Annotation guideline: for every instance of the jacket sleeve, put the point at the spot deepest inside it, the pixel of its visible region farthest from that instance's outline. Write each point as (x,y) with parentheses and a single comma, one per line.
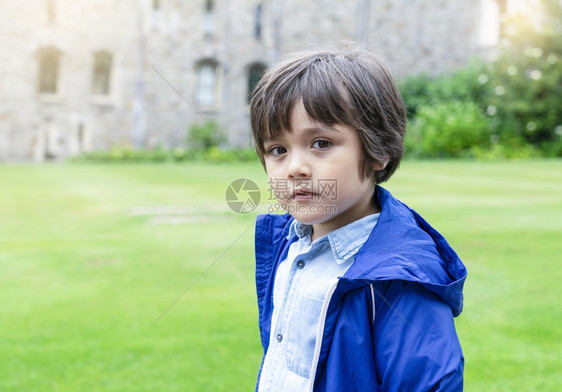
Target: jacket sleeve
(415,342)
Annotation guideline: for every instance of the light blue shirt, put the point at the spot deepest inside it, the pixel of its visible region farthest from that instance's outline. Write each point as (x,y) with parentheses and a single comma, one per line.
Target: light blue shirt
(301,284)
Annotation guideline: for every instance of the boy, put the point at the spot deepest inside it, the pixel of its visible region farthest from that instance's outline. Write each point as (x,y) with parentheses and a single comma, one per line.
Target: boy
(356,292)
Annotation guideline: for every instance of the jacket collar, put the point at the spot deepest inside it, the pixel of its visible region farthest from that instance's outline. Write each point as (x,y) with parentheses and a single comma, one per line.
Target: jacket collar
(403,246)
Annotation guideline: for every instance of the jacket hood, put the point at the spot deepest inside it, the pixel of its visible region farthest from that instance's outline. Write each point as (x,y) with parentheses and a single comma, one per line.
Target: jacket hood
(403,246)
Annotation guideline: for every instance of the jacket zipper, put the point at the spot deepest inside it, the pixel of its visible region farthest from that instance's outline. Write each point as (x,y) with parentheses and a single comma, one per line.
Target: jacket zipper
(320,333)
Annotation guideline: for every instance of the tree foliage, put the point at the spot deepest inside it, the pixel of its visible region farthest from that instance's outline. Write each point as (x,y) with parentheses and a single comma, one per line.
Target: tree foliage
(509,106)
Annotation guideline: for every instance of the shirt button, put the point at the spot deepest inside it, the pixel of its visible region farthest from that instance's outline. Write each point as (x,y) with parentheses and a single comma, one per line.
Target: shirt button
(300,264)
(279,337)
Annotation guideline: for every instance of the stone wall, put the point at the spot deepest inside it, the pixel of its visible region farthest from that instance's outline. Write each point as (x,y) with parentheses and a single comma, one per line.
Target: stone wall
(158,46)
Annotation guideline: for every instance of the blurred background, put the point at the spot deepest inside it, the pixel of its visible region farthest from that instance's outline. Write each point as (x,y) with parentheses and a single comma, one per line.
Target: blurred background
(83,76)
(123,124)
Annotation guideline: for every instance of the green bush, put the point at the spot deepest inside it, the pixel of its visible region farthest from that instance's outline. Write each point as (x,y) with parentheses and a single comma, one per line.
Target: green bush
(447,129)
(202,145)
(215,154)
(203,136)
(525,84)
(120,154)
(425,90)
(517,95)
(505,151)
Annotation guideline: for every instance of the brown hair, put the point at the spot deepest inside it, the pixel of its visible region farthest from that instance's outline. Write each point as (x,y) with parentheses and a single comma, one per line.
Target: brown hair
(351,87)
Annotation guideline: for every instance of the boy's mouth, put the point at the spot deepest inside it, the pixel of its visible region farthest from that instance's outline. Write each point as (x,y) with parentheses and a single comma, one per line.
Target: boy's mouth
(303,194)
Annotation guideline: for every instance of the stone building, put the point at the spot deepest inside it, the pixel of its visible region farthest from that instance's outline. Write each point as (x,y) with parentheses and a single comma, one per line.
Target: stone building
(85,75)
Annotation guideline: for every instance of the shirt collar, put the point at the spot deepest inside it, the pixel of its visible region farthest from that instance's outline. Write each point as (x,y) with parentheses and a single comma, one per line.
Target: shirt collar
(301,230)
(345,241)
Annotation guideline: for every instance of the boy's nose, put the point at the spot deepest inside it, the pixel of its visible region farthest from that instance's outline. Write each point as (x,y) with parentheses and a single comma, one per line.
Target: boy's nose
(299,166)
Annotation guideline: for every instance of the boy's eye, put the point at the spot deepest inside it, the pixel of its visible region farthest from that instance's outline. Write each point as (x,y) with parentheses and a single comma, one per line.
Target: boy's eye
(277,150)
(321,144)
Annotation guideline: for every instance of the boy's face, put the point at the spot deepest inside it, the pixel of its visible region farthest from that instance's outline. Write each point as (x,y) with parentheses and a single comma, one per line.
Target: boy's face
(315,173)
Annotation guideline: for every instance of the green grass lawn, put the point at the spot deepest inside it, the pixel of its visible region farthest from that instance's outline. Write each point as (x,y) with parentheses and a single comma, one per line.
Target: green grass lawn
(105,286)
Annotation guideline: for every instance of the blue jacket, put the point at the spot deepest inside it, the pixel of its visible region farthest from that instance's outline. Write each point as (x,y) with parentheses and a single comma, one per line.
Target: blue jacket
(387,324)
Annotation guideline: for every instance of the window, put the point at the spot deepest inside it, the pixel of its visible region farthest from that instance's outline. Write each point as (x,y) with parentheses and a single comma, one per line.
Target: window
(258,23)
(209,18)
(101,73)
(255,72)
(206,83)
(49,63)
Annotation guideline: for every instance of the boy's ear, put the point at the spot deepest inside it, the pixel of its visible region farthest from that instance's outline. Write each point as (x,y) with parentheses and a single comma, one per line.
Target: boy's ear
(380,165)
